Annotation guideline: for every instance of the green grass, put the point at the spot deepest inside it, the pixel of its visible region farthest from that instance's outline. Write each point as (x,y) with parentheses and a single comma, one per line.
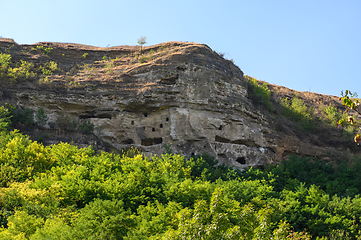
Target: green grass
(259,93)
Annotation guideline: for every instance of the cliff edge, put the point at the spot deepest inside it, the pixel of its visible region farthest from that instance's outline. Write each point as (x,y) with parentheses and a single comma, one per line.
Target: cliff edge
(179,93)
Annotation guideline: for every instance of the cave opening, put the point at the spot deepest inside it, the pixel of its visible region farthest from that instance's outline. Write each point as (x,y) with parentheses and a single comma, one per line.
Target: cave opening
(127,141)
(241,160)
(151,141)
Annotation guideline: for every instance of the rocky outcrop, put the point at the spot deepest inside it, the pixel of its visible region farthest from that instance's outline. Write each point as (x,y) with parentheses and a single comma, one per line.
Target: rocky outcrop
(185,94)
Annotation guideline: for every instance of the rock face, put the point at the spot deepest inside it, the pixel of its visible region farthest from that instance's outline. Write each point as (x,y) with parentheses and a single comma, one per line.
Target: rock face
(183,94)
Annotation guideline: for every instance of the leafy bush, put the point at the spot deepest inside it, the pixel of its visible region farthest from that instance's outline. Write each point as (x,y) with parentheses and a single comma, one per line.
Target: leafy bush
(21,226)
(22,71)
(23,116)
(295,110)
(42,49)
(341,180)
(259,94)
(348,132)
(332,116)
(15,72)
(49,68)
(143,59)
(41,117)
(349,123)
(223,218)
(104,219)
(4,64)
(86,127)
(206,168)
(66,122)
(109,66)
(21,158)
(61,191)
(130,152)
(6,113)
(54,228)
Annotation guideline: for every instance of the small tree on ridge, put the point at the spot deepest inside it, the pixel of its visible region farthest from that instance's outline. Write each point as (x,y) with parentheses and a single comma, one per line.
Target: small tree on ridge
(141,42)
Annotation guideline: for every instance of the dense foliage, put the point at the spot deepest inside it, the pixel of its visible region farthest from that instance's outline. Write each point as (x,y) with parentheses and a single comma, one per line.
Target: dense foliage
(63,192)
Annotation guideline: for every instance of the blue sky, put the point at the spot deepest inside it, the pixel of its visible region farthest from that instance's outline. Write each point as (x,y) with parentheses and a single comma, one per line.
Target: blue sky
(308,45)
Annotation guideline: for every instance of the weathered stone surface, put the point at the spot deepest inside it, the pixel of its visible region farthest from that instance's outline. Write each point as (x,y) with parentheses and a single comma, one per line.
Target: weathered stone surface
(191,98)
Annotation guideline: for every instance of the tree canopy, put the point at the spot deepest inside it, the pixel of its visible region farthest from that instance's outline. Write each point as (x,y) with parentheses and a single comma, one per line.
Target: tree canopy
(65,192)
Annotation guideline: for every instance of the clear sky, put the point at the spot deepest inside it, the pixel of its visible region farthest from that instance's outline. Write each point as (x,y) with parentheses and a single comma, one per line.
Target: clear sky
(308,45)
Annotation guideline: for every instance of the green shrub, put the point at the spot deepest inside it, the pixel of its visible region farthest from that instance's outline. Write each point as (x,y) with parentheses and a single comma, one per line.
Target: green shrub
(109,66)
(295,110)
(66,122)
(21,226)
(41,117)
(86,127)
(259,94)
(49,68)
(45,50)
(54,228)
(4,64)
(21,158)
(332,116)
(130,152)
(89,71)
(206,167)
(6,113)
(104,219)
(24,116)
(4,61)
(341,180)
(222,218)
(348,132)
(14,73)
(21,72)
(44,80)
(143,59)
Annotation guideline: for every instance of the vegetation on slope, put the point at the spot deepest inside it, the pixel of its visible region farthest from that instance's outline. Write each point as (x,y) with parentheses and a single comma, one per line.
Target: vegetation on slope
(63,192)
(259,94)
(49,67)
(303,117)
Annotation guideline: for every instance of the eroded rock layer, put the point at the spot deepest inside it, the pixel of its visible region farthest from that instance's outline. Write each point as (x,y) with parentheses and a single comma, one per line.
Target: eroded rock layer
(182,94)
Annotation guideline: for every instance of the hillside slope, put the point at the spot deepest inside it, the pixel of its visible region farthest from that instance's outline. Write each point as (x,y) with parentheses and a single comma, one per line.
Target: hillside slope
(177,93)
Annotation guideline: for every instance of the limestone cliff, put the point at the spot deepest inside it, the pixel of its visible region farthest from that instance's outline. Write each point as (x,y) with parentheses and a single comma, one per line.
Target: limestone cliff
(176,93)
